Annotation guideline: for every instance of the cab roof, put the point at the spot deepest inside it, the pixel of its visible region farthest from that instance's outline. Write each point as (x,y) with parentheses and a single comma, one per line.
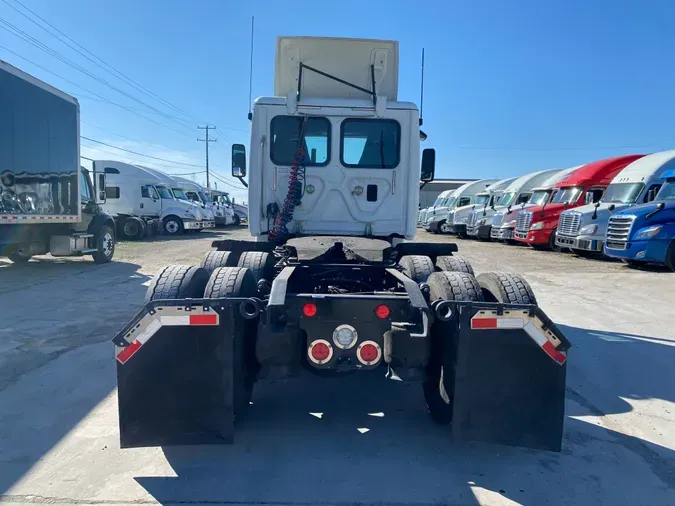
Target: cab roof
(646,168)
(529,181)
(600,172)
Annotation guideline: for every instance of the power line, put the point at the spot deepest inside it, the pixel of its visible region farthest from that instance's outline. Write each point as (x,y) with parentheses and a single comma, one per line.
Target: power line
(110,69)
(128,109)
(156,166)
(26,37)
(137,153)
(156,146)
(224,181)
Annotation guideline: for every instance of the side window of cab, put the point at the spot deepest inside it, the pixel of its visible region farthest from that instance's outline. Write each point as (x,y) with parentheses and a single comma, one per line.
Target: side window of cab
(84,187)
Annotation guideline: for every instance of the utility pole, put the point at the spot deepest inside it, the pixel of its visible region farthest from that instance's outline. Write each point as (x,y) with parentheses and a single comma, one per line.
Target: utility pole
(206,141)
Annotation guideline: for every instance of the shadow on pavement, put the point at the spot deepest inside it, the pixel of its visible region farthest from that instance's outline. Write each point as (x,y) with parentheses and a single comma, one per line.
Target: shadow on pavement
(59,332)
(285,454)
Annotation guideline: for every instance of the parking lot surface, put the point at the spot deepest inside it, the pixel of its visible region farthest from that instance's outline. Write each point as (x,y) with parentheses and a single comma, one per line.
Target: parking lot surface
(301,444)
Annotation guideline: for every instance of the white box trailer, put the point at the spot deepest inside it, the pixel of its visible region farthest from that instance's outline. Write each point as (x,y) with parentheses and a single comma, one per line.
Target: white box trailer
(48,202)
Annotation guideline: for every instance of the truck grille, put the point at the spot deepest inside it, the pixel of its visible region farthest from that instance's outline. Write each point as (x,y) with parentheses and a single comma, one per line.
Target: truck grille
(497,220)
(471,220)
(618,231)
(569,224)
(523,221)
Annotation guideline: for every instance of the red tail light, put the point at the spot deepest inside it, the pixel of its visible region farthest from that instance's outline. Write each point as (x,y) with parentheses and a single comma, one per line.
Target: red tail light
(369,352)
(382,311)
(309,309)
(320,351)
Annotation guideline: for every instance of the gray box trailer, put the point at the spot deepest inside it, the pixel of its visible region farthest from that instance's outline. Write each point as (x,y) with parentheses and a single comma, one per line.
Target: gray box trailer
(48,202)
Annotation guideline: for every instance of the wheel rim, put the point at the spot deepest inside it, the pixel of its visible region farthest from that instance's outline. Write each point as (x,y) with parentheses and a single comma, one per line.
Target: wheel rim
(108,245)
(171,227)
(130,229)
(444,228)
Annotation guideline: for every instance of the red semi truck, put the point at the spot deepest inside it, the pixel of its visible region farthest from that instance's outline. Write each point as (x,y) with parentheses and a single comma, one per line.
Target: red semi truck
(537,226)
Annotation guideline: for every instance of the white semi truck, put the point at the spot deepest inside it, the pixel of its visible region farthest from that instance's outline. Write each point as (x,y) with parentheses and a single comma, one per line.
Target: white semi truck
(48,202)
(137,195)
(583,229)
(487,198)
(329,281)
(437,220)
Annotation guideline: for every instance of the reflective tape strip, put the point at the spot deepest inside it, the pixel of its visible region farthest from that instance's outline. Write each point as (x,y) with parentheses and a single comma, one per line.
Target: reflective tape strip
(32,217)
(497,323)
(151,323)
(547,341)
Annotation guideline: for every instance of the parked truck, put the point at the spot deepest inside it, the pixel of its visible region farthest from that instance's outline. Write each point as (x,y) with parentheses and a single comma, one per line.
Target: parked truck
(538,226)
(487,198)
(49,203)
(479,223)
(222,199)
(329,282)
(504,221)
(645,233)
(187,190)
(437,220)
(428,213)
(583,229)
(139,197)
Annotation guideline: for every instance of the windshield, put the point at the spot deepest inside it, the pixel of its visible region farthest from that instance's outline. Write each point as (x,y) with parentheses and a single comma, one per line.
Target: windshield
(481,200)
(438,202)
(667,191)
(507,199)
(540,197)
(449,202)
(203,196)
(165,193)
(623,193)
(180,194)
(569,195)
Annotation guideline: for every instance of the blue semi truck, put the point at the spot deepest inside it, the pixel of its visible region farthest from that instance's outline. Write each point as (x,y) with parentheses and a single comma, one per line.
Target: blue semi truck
(646,233)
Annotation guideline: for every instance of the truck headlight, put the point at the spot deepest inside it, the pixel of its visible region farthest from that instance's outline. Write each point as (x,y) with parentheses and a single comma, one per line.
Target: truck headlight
(462,220)
(537,226)
(481,221)
(588,230)
(648,232)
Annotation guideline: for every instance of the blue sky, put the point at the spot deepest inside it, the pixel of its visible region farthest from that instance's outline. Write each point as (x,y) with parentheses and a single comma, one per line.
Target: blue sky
(510,86)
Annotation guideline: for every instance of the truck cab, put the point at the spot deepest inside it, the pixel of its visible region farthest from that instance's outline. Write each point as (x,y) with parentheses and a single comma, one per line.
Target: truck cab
(638,183)
(479,223)
(488,198)
(645,233)
(504,222)
(135,192)
(585,185)
(440,201)
(357,170)
(465,195)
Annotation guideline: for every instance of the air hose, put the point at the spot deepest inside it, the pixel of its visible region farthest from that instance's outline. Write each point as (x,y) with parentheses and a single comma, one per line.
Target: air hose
(296,181)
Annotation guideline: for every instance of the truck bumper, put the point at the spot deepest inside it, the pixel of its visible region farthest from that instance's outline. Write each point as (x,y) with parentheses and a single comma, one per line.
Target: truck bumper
(533,236)
(458,228)
(653,251)
(501,233)
(221,220)
(585,243)
(481,231)
(432,226)
(198,225)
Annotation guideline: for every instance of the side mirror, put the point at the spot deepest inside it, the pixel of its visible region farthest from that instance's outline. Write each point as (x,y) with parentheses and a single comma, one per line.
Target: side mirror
(428,165)
(651,194)
(589,198)
(102,196)
(238,160)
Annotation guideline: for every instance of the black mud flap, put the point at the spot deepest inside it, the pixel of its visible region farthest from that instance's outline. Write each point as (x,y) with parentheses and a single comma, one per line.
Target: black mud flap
(174,373)
(511,364)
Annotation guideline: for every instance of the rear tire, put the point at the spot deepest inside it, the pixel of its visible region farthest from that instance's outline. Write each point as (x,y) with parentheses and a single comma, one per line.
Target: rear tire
(505,288)
(261,264)
(214,259)
(454,263)
(132,228)
(440,384)
(178,282)
(238,282)
(417,267)
(237,220)
(443,227)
